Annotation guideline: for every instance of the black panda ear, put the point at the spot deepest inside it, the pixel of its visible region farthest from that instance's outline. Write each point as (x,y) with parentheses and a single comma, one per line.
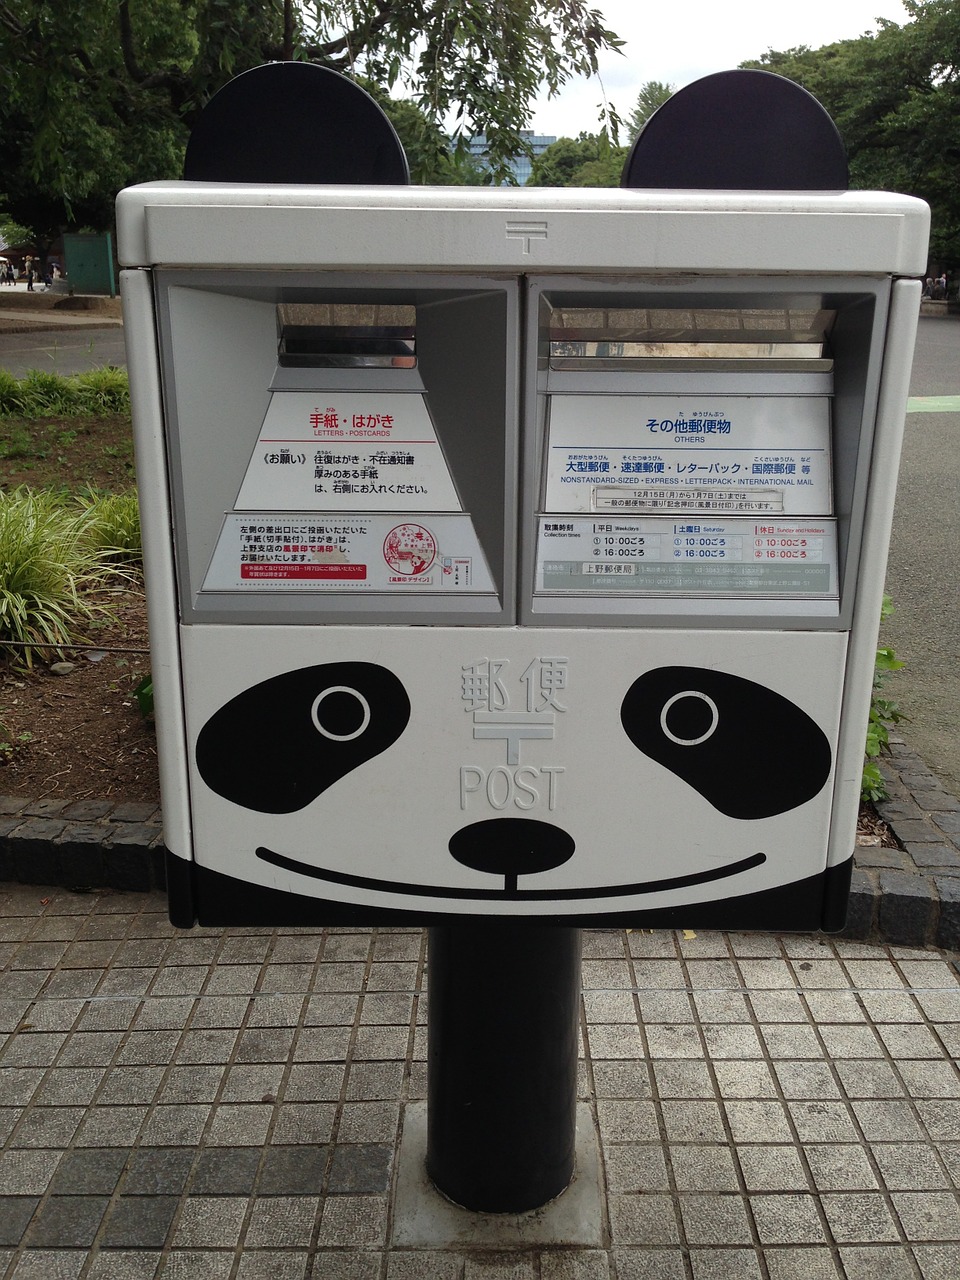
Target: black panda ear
(739,131)
(294,122)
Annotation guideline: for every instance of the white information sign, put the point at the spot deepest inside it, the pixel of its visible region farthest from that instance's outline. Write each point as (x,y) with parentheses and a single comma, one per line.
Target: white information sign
(651,555)
(347,451)
(327,552)
(746,455)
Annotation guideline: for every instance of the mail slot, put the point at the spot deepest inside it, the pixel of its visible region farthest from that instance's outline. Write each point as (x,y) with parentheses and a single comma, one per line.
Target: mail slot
(515,553)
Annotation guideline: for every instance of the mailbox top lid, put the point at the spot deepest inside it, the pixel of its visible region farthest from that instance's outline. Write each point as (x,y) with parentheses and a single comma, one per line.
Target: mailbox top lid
(526,229)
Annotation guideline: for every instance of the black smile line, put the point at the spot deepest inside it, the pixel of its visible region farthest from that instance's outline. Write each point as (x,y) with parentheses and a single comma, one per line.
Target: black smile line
(515,895)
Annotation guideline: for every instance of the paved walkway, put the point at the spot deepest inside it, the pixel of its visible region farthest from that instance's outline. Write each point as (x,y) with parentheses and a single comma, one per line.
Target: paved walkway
(230,1103)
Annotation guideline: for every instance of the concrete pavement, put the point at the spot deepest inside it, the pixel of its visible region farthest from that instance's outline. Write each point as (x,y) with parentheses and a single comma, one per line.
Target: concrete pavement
(234,1103)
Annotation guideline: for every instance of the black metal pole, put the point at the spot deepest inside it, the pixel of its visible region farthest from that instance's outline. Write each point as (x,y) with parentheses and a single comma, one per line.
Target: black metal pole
(503,1022)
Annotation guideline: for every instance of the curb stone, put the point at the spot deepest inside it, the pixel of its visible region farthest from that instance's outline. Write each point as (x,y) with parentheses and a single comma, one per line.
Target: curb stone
(907,897)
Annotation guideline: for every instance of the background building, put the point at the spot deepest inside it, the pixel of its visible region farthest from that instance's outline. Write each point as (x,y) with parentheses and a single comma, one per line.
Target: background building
(521,166)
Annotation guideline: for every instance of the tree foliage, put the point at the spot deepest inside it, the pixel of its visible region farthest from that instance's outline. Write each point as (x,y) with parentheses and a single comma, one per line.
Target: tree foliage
(587,161)
(95,96)
(895,97)
(651,97)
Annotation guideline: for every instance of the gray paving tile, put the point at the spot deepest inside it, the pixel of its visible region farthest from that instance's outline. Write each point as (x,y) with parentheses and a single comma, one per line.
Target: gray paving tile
(701,1168)
(771,1168)
(124,1264)
(693,1122)
(89,1172)
(67,1222)
(158,1171)
(49,1264)
(209,1222)
(888,1121)
(792,1041)
(370,1081)
(877,1262)
(841,1167)
(198,1264)
(823,1121)
(634,1167)
(682,1078)
(649,1264)
(48,1127)
(338,1265)
(758,1121)
(648,1220)
(323,1081)
(859,1218)
(361,1169)
(15,1215)
(304,1123)
(809,1262)
(273,1265)
(787,1219)
(623,1120)
(607,1041)
(715,1219)
(938,1261)
(928,1215)
(139,1222)
(290,1222)
(176,1125)
(289,1171)
(724,1264)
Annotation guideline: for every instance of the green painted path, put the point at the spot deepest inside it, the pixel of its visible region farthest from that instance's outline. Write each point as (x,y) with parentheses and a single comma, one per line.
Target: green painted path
(933,404)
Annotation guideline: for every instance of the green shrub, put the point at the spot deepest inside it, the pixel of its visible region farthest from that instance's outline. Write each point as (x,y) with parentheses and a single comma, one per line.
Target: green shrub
(41,394)
(11,395)
(113,525)
(48,566)
(883,713)
(105,390)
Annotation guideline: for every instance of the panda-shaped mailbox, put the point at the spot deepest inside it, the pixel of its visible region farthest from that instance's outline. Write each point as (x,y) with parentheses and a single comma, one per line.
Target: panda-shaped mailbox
(516,553)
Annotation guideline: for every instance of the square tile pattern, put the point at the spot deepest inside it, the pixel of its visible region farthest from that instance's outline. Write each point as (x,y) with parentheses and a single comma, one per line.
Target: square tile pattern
(232,1103)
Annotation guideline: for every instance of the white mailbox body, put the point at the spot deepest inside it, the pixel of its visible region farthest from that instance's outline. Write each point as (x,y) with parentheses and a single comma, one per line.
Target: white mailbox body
(515,552)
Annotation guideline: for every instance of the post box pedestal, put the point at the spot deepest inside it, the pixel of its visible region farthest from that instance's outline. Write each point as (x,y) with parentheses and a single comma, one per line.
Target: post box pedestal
(502,1062)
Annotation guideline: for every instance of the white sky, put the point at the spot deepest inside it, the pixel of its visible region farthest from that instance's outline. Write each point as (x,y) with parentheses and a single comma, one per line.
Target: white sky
(678,41)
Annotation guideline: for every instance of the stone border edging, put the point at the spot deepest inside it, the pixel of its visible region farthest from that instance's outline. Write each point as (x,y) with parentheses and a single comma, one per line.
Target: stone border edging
(908,896)
(83,844)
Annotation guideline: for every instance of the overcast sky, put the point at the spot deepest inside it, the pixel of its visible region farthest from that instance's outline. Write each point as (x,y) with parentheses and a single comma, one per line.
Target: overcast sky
(681,40)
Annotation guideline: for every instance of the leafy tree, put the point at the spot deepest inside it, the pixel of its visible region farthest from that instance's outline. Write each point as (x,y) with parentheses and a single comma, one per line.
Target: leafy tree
(651,97)
(587,161)
(895,98)
(94,96)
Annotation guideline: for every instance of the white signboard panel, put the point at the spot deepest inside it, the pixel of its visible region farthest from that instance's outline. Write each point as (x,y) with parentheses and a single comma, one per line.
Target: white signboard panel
(347,451)
(702,556)
(730,455)
(511,772)
(262,551)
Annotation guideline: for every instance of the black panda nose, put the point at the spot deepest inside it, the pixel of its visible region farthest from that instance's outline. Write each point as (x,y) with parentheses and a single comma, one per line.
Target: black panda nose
(511,847)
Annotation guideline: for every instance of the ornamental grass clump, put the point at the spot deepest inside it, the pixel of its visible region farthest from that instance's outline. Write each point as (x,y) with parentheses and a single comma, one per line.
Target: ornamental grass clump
(49,568)
(43,394)
(113,525)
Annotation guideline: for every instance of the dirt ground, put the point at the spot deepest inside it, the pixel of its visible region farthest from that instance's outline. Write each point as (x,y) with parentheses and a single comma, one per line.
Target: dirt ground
(80,734)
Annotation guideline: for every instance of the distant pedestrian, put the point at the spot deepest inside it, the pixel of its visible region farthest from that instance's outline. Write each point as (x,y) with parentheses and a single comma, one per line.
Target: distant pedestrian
(30,274)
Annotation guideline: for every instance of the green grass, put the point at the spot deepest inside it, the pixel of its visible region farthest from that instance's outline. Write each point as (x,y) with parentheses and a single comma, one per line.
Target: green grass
(40,394)
(113,524)
(49,565)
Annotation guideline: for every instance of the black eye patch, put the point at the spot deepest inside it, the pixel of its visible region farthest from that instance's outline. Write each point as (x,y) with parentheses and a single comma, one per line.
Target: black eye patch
(749,751)
(278,745)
